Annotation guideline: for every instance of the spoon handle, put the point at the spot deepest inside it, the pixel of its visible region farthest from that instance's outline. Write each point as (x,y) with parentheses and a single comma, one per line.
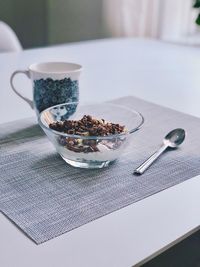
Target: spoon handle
(145,165)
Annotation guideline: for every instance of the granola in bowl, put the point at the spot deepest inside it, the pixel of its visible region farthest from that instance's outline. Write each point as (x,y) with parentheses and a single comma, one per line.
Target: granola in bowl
(87,126)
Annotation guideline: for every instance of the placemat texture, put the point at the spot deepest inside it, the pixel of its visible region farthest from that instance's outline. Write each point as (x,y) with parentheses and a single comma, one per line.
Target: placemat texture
(45,197)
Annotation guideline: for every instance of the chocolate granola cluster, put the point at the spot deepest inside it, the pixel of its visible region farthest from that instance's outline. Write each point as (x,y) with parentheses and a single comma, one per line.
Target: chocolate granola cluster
(87,126)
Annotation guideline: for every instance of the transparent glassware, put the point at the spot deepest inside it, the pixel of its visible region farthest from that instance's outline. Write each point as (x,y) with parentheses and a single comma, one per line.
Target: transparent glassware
(91,151)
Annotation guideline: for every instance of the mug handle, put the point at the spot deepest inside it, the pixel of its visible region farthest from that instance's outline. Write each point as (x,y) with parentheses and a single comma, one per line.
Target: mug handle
(26,72)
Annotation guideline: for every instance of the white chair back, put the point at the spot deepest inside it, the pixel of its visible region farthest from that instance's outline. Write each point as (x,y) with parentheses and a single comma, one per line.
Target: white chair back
(8,39)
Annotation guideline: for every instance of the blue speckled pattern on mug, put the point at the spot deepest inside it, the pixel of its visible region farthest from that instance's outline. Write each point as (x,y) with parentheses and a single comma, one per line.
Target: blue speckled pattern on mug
(49,92)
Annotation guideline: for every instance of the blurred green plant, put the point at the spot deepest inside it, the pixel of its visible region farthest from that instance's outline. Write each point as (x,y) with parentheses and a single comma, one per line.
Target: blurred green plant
(197,5)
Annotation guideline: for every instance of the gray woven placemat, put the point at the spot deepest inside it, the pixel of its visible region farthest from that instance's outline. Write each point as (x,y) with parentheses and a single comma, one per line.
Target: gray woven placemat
(45,197)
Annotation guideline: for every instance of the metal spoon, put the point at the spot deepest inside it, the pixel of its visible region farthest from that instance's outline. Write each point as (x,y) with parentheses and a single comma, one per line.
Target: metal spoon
(173,139)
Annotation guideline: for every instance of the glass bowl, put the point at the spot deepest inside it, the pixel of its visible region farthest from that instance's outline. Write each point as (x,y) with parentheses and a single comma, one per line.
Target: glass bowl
(90,151)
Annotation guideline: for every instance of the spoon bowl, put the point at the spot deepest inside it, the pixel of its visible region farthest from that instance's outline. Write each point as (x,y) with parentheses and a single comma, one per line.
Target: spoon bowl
(175,138)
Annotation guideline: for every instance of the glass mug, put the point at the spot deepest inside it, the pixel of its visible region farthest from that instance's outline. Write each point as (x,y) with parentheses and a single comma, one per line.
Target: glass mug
(53,83)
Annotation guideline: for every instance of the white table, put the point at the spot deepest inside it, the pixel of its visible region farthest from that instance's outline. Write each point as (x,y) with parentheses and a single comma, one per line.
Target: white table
(163,73)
